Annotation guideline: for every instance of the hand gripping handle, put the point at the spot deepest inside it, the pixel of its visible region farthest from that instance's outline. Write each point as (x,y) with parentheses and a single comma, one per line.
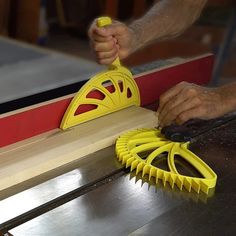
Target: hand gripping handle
(104,21)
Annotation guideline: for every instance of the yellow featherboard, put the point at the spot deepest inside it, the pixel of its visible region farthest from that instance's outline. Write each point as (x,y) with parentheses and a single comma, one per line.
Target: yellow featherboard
(125,92)
(130,145)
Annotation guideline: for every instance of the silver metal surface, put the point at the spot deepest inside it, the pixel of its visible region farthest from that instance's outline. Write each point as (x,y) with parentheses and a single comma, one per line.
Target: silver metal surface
(38,75)
(13,52)
(85,170)
(116,209)
(126,206)
(218,217)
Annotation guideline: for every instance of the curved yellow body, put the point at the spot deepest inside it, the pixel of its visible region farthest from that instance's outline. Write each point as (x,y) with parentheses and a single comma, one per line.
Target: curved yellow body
(124,92)
(130,145)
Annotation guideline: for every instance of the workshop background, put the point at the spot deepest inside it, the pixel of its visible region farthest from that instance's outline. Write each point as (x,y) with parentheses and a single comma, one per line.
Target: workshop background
(62,25)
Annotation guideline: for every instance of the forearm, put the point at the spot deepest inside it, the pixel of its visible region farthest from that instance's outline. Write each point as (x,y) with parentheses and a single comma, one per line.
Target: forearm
(166,19)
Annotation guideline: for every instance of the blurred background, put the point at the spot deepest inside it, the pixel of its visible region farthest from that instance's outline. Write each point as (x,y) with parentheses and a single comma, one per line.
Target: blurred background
(62,25)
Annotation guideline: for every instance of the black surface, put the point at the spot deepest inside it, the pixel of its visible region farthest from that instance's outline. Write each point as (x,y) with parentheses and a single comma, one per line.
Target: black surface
(193,128)
(176,133)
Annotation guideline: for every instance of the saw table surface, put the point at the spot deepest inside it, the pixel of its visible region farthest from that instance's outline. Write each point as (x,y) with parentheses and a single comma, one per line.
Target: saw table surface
(101,198)
(95,195)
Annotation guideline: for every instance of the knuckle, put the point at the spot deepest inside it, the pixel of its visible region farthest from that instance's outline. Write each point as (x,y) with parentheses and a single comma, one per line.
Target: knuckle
(183,84)
(191,92)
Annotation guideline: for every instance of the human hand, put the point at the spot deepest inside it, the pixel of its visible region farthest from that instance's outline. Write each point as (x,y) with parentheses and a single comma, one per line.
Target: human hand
(186,101)
(111,41)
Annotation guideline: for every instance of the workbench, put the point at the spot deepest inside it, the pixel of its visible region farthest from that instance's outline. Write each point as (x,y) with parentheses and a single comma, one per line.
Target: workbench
(96,195)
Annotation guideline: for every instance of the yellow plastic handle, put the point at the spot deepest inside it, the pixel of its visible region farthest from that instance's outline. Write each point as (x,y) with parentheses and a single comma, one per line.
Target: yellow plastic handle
(104,21)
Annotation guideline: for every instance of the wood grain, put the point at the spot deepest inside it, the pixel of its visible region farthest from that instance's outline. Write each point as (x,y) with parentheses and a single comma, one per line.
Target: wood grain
(41,154)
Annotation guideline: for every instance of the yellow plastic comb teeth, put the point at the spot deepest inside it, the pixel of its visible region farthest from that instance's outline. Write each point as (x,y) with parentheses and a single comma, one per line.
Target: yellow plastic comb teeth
(144,140)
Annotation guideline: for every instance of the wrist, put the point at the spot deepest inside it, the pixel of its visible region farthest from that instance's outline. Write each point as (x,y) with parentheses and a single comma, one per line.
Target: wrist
(137,41)
(228,98)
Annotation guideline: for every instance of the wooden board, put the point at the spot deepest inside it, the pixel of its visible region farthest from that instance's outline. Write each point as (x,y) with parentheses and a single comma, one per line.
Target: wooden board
(27,159)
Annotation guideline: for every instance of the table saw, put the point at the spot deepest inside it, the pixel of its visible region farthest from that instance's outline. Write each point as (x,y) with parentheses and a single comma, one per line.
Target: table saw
(96,194)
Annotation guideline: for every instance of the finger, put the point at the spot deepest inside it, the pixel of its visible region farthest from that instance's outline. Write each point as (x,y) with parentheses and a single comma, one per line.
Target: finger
(171,104)
(98,34)
(116,28)
(101,31)
(106,55)
(172,115)
(187,92)
(195,112)
(101,39)
(165,97)
(104,46)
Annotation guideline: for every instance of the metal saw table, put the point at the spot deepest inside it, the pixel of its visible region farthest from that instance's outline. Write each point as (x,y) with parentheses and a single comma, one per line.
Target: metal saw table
(97,196)
(101,198)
